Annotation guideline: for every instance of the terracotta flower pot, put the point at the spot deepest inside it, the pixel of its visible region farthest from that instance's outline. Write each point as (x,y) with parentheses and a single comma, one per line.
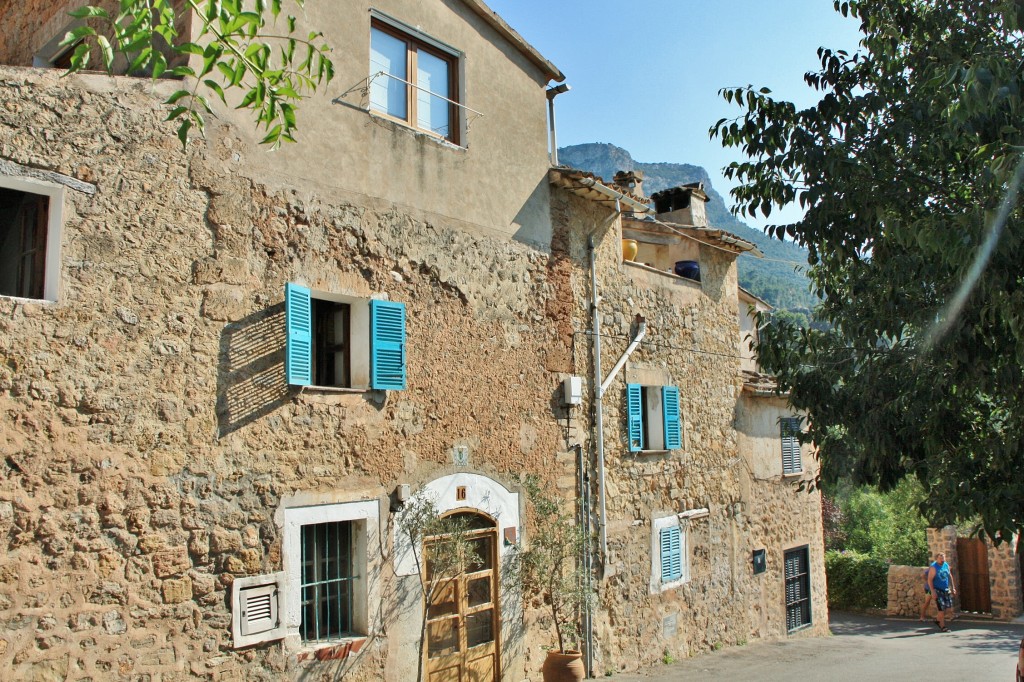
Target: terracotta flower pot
(563,666)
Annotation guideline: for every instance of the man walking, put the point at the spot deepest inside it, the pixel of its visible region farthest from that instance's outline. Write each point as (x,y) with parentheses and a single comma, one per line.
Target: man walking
(940,582)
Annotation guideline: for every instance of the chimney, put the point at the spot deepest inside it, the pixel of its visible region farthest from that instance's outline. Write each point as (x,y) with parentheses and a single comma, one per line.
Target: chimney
(682,205)
(630,182)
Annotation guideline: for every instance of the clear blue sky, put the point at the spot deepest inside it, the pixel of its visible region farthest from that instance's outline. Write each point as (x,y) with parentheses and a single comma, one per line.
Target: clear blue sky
(645,74)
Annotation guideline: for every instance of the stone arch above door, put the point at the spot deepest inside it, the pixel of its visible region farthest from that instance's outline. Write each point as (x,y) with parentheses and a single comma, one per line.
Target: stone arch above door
(465,491)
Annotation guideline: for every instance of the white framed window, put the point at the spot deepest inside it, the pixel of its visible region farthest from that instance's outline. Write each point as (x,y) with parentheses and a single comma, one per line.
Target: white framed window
(326,566)
(670,559)
(338,341)
(31,213)
(414,79)
(789,435)
(652,418)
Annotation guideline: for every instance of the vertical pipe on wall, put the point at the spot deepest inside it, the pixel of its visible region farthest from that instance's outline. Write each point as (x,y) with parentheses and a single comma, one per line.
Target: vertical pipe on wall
(598,410)
(584,494)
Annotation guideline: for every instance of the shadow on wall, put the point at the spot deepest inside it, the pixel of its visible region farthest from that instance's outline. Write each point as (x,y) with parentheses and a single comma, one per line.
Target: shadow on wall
(250,372)
(534,218)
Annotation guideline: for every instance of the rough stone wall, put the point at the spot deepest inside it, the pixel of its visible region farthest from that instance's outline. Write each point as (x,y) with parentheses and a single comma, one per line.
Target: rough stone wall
(906,592)
(691,342)
(1005,578)
(1004,570)
(27,25)
(148,435)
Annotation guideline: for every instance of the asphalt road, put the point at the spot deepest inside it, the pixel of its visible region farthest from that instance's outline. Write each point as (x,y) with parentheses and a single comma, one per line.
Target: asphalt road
(862,649)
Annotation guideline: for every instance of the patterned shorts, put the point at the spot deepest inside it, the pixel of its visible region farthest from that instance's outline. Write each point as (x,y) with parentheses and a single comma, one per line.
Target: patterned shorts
(943,600)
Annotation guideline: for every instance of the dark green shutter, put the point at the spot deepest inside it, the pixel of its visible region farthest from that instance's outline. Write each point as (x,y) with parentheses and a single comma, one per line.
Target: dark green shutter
(789,428)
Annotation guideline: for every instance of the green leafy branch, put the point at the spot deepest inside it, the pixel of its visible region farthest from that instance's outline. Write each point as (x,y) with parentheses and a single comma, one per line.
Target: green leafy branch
(233,50)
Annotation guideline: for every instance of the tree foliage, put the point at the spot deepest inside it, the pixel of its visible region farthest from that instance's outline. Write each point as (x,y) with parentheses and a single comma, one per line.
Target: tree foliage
(234,49)
(908,168)
(885,525)
(856,581)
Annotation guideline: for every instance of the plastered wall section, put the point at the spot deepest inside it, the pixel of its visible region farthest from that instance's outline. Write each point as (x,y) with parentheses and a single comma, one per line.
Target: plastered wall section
(691,342)
(783,511)
(147,435)
(493,182)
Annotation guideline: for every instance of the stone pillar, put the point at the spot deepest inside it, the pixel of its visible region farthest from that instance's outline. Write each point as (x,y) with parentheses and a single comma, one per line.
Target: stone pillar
(1005,580)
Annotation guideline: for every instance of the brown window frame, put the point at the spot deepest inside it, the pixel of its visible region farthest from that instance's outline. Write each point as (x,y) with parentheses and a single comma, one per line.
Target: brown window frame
(30,223)
(328,350)
(413,46)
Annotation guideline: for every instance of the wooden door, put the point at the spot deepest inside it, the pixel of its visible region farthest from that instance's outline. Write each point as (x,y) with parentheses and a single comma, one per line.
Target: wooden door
(461,643)
(972,565)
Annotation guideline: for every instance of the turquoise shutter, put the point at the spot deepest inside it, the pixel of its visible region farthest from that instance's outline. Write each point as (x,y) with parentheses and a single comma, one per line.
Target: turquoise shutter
(635,417)
(670,409)
(671,554)
(298,316)
(387,345)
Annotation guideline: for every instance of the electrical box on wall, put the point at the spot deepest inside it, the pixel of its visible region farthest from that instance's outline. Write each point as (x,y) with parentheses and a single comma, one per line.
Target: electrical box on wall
(573,390)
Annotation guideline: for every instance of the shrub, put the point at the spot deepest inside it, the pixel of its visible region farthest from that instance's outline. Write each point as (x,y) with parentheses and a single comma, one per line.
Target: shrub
(856,580)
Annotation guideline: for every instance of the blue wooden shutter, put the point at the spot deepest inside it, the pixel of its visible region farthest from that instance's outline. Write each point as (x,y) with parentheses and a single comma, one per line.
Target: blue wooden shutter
(298,316)
(635,417)
(670,409)
(671,554)
(387,345)
(789,427)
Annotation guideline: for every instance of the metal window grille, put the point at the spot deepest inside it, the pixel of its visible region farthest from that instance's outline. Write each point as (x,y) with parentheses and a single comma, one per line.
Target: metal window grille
(798,589)
(328,581)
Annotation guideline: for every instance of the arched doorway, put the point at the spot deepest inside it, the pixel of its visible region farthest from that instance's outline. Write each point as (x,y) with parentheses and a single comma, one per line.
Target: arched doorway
(461,575)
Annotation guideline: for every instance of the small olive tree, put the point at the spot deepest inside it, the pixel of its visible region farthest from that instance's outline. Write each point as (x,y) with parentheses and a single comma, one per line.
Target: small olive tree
(552,564)
(442,550)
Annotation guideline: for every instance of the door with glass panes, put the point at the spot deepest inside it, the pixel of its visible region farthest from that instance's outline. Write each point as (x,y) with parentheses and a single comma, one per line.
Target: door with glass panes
(461,643)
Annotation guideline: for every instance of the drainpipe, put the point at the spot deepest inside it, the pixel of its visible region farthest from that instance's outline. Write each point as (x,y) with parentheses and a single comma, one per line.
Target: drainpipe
(552,93)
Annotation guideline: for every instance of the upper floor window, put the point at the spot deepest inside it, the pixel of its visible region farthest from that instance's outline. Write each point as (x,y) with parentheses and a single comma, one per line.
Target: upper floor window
(414,80)
(337,341)
(789,428)
(29,239)
(653,418)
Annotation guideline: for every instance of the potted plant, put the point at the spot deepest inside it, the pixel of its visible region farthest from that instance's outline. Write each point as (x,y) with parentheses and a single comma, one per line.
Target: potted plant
(553,572)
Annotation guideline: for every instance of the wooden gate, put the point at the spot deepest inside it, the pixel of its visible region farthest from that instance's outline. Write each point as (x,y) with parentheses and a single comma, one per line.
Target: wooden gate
(972,562)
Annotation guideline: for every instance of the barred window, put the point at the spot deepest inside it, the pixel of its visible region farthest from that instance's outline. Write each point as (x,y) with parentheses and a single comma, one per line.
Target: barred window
(328,581)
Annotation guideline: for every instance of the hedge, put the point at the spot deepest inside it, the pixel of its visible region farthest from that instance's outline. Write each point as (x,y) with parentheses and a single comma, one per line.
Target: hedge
(856,581)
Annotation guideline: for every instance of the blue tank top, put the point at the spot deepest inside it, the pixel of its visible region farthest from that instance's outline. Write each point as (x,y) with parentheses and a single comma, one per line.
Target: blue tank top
(941,579)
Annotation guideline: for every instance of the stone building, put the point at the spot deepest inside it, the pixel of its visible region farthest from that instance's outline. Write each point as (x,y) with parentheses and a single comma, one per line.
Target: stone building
(704,535)
(221,369)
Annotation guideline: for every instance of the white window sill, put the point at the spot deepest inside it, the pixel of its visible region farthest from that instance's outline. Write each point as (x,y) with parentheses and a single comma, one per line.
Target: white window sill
(665,587)
(23,300)
(332,389)
(795,474)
